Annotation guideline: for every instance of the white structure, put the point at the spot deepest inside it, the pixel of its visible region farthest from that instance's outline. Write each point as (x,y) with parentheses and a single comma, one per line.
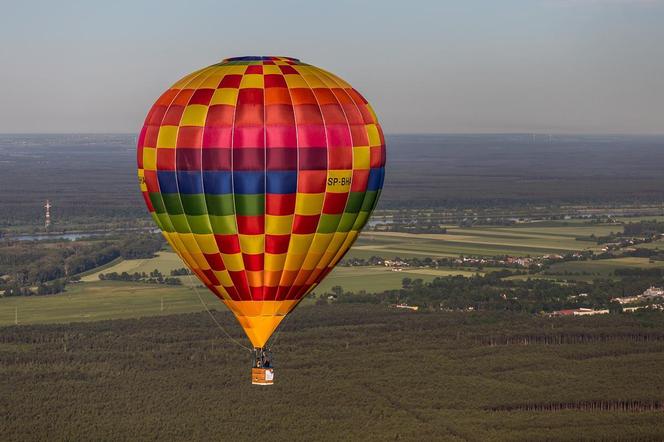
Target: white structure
(590,312)
(579,312)
(649,294)
(653,292)
(47,222)
(408,307)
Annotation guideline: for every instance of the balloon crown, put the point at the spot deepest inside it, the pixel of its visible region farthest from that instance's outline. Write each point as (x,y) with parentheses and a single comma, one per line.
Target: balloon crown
(259,58)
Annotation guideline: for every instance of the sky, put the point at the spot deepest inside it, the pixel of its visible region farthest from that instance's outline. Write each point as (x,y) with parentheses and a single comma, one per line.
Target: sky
(434,66)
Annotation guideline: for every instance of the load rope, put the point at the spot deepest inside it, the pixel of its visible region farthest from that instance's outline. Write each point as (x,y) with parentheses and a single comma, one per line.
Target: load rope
(207,309)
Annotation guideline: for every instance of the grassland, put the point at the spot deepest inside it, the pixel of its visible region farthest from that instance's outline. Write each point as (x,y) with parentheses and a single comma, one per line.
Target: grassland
(654,245)
(519,240)
(587,271)
(636,219)
(164,262)
(342,373)
(376,279)
(603,267)
(102,300)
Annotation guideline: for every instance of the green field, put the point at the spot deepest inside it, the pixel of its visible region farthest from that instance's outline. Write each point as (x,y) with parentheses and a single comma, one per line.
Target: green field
(102,300)
(603,267)
(378,279)
(587,271)
(164,262)
(518,240)
(636,219)
(656,245)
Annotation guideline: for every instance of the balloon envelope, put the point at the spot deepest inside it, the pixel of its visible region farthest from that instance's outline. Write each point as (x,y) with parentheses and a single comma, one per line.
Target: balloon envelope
(260,172)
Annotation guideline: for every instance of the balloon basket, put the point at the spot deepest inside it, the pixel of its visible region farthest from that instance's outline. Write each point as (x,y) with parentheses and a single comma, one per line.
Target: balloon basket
(262,376)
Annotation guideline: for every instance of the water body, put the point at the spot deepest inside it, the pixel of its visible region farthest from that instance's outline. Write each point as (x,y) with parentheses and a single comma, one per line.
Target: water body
(67,236)
(74,236)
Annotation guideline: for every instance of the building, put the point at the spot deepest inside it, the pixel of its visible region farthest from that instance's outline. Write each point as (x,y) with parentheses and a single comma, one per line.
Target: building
(643,307)
(395,263)
(626,299)
(653,292)
(407,307)
(579,312)
(648,295)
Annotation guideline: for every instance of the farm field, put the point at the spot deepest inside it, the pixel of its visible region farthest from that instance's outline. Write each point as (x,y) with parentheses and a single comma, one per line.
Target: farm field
(653,245)
(603,267)
(164,262)
(102,300)
(636,219)
(378,279)
(353,372)
(587,271)
(481,241)
(559,278)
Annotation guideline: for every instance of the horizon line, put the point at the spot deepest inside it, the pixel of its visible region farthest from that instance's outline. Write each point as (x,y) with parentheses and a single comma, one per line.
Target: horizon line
(488,133)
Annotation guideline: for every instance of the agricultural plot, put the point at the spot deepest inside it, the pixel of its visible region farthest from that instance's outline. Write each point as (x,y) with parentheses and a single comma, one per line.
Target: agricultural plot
(102,300)
(558,278)
(603,267)
(545,236)
(480,241)
(655,245)
(164,262)
(587,271)
(378,279)
(636,219)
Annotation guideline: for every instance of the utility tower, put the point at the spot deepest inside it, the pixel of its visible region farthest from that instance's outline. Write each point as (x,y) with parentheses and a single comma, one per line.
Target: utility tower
(47,222)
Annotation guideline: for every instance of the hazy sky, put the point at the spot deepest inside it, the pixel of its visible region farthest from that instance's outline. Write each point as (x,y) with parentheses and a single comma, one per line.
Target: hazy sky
(426,66)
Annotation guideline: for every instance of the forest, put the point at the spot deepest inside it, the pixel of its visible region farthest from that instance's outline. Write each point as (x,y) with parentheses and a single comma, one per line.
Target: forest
(520,172)
(154,277)
(493,292)
(49,265)
(342,372)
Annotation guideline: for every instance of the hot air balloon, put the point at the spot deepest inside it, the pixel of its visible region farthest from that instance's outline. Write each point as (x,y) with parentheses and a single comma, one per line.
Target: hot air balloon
(261,172)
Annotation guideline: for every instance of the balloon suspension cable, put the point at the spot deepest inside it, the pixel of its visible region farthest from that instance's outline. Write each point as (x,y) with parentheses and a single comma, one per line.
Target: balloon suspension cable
(207,309)
(273,341)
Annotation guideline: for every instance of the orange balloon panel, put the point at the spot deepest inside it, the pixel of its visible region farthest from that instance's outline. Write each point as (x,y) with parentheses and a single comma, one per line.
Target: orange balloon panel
(261,171)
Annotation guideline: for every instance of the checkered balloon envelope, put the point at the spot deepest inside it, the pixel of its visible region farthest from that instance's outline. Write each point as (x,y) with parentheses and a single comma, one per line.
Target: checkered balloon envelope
(261,172)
